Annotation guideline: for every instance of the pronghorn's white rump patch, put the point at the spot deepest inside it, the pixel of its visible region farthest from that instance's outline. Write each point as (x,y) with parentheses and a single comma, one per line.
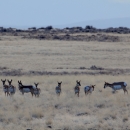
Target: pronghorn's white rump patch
(125,84)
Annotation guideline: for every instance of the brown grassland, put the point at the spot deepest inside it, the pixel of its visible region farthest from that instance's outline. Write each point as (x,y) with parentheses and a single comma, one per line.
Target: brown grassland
(100,110)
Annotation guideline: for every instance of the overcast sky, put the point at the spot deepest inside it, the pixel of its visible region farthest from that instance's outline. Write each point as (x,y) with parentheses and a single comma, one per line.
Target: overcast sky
(28,13)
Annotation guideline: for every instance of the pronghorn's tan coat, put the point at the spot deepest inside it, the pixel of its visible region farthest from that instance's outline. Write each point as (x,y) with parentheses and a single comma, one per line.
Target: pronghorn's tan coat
(37,90)
(26,88)
(89,89)
(117,86)
(58,88)
(5,87)
(12,88)
(77,88)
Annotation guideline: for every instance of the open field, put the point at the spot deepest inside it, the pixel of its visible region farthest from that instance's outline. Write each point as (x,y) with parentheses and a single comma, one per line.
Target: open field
(25,57)
(47,62)
(102,109)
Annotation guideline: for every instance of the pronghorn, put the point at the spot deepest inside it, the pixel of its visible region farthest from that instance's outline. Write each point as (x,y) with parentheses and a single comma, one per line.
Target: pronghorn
(58,88)
(5,87)
(25,88)
(12,88)
(77,88)
(89,89)
(117,86)
(37,90)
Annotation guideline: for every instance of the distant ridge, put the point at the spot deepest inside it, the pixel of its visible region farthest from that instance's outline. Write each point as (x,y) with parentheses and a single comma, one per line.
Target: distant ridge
(101,24)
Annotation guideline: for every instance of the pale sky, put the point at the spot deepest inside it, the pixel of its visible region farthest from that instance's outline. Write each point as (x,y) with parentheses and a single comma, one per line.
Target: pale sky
(40,13)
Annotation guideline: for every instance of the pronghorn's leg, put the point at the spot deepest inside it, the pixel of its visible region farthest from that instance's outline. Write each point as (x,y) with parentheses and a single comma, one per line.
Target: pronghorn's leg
(22,92)
(7,93)
(32,94)
(125,90)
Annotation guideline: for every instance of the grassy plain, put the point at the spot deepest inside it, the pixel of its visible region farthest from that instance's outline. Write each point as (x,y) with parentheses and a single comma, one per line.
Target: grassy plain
(100,110)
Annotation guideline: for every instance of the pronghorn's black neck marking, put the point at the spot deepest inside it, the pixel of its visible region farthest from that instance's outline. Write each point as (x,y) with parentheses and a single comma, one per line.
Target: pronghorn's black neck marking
(108,85)
(21,86)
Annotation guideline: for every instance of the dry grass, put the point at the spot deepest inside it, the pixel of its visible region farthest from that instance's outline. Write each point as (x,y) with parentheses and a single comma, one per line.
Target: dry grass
(101,110)
(28,55)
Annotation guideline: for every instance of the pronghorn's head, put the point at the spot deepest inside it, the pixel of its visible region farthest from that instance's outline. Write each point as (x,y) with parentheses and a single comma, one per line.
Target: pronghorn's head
(36,84)
(9,81)
(106,84)
(93,86)
(19,83)
(59,83)
(3,81)
(78,83)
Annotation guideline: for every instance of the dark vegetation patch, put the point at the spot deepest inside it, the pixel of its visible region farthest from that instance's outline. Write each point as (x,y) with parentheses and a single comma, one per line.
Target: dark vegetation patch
(67,37)
(82,114)
(93,70)
(93,67)
(50,33)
